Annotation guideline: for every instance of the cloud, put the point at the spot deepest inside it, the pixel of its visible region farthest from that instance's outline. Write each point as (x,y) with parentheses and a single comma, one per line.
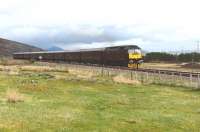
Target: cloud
(154,25)
(65,35)
(89,36)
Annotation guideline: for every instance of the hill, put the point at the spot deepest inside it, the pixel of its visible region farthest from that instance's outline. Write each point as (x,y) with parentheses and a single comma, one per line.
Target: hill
(8,47)
(55,48)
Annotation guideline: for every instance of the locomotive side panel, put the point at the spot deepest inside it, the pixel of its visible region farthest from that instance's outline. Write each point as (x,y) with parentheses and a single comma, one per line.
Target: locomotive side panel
(116,57)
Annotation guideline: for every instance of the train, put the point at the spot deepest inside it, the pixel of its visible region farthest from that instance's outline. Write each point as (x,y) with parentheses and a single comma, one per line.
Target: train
(123,56)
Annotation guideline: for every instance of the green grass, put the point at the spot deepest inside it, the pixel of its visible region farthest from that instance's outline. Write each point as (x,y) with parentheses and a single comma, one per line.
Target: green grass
(82,105)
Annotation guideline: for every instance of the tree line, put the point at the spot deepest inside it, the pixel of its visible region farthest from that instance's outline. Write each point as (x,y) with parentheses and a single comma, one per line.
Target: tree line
(167,57)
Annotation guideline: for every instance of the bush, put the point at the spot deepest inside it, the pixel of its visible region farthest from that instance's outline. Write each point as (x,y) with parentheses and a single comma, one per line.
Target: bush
(189,57)
(167,57)
(159,56)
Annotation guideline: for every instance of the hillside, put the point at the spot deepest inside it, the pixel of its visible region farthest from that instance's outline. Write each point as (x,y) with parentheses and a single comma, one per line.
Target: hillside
(55,48)
(7,47)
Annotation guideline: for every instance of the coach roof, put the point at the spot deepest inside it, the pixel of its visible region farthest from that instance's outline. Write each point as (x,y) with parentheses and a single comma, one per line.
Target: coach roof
(82,50)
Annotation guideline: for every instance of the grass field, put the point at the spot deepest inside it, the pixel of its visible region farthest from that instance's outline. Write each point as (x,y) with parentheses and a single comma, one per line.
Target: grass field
(51,100)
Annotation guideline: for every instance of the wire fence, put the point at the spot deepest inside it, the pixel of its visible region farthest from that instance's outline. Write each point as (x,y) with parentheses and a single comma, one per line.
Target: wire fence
(143,77)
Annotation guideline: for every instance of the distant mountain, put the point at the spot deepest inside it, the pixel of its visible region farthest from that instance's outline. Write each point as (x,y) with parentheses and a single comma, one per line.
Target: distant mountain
(55,48)
(8,47)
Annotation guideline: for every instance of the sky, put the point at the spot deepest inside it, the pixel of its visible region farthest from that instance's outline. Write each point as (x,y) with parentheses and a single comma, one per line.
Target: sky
(154,25)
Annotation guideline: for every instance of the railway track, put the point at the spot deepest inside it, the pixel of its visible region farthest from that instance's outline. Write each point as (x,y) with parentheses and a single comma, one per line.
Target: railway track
(168,72)
(157,71)
(172,72)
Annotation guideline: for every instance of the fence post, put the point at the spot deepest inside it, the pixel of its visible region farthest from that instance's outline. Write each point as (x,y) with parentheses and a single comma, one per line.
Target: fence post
(102,71)
(159,76)
(181,77)
(131,75)
(172,79)
(147,77)
(154,74)
(136,78)
(142,77)
(198,81)
(190,79)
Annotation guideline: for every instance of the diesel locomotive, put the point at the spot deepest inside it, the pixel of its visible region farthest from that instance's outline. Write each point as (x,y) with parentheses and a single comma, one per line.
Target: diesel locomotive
(126,56)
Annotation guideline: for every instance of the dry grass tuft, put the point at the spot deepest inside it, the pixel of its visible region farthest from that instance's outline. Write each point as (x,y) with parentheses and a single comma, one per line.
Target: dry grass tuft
(83,74)
(36,87)
(13,71)
(13,96)
(7,61)
(60,77)
(131,121)
(44,69)
(122,79)
(10,70)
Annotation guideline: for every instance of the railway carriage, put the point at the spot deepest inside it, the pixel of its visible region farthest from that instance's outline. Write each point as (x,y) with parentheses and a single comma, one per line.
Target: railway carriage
(94,56)
(129,55)
(74,57)
(59,56)
(46,56)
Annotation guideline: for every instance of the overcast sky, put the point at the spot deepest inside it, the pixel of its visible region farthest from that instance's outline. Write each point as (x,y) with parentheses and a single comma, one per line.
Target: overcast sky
(152,24)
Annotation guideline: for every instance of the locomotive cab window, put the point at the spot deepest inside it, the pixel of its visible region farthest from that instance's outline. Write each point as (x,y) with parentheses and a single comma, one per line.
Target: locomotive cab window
(138,51)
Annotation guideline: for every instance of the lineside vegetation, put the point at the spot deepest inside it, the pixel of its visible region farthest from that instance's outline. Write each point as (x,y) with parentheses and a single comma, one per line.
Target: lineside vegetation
(167,57)
(69,100)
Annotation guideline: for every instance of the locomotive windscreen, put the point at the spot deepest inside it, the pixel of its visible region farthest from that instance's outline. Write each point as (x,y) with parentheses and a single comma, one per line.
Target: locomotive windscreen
(137,51)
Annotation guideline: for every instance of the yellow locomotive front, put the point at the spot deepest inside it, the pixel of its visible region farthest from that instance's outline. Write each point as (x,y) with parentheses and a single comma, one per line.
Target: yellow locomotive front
(135,58)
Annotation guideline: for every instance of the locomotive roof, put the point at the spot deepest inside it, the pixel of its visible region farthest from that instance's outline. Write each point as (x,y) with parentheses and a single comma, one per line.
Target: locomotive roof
(83,50)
